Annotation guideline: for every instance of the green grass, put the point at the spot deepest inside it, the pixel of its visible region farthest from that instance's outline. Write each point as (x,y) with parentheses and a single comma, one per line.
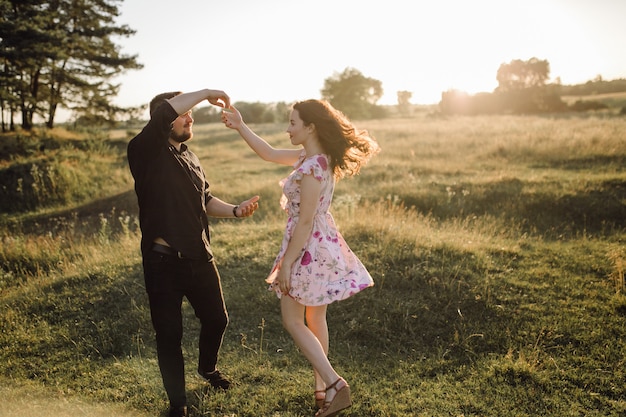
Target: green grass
(496,245)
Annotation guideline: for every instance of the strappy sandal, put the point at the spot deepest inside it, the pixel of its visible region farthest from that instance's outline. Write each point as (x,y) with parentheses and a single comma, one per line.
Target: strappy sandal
(320,396)
(340,401)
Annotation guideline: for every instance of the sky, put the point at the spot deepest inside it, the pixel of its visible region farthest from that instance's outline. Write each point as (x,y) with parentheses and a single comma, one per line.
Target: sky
(283,50)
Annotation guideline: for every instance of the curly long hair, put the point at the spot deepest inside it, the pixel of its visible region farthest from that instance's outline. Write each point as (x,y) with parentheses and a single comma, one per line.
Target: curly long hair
(349,148)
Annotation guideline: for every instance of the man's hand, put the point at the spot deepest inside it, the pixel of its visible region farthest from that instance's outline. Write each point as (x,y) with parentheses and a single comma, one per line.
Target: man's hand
(219,98)
(248,207)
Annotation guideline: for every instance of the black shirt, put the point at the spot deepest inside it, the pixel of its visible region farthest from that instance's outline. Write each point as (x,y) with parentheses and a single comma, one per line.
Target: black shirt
(171,188)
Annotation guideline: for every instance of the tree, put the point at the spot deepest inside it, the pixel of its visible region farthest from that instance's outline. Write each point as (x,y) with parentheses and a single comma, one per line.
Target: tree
(518,74)
(353,93)
(404,102)
(522,87)
(23,46)
(61,53)
(255,112)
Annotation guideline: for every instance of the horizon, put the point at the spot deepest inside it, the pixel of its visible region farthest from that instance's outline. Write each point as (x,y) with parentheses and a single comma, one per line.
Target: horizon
(278,51)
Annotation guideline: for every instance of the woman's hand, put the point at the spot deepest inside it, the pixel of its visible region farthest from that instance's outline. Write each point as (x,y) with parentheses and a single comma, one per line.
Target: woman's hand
(232,118)
(284,278)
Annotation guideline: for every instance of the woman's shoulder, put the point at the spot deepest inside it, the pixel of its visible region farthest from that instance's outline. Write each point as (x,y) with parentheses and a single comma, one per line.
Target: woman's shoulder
(319,158)
(322,160)
(316,165)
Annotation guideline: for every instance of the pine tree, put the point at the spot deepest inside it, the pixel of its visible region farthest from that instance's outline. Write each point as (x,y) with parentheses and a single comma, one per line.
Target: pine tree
(61,53)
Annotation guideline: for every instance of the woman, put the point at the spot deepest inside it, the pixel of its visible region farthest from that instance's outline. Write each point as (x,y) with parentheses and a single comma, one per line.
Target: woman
(315,266)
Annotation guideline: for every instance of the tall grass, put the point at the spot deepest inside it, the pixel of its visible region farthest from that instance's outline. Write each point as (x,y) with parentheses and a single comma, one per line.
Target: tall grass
(496,245)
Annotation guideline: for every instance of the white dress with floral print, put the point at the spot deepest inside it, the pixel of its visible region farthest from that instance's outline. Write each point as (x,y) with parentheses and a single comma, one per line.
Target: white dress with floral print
(328,270)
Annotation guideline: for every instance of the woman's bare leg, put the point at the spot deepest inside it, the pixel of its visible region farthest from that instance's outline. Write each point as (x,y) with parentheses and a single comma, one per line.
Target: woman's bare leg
(316,322)
(310,345)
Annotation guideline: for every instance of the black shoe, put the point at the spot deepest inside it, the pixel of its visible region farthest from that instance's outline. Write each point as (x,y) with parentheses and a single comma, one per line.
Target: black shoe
(216,379)
(178,411)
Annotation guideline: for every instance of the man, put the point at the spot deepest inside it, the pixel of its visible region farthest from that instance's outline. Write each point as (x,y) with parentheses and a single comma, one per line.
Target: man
(174,205)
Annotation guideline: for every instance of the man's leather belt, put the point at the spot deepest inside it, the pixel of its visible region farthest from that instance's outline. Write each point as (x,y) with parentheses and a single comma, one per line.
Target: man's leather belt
(166,250)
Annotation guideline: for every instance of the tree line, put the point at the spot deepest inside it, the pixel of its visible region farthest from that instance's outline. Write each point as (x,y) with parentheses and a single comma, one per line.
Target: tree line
(351,91)
(523,89)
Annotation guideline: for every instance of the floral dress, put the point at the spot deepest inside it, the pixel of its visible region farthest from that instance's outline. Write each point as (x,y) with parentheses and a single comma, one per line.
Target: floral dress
(327,270)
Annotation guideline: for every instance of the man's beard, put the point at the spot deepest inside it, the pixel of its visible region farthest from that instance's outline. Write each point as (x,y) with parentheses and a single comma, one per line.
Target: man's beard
(180,138)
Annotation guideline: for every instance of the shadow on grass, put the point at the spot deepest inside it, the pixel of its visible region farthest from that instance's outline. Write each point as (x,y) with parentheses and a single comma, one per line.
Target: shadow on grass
(82,220)
(96,316)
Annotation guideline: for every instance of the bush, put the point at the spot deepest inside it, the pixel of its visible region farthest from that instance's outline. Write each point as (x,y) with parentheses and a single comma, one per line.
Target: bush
(32,185)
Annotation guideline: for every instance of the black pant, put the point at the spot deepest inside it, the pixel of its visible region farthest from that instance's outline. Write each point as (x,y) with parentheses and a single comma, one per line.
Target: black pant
(168,280)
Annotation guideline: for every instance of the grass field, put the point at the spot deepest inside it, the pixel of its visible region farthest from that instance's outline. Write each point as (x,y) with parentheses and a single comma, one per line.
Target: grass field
(496,244)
